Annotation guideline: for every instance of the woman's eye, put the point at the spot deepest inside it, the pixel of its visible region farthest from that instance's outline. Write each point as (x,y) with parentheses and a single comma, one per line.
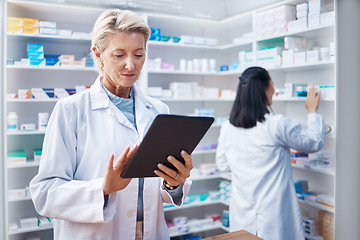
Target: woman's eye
(138,55)
(119,55)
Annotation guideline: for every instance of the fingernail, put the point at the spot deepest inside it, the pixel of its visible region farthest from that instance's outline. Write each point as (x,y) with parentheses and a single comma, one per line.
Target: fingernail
(183,152)
(170,158)
(156,171)
(160,165)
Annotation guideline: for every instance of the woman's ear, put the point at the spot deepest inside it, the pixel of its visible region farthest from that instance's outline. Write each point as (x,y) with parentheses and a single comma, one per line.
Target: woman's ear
(96,52)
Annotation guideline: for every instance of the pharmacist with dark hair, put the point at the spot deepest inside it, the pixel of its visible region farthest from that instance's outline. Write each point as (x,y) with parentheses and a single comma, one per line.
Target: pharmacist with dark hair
(255,146)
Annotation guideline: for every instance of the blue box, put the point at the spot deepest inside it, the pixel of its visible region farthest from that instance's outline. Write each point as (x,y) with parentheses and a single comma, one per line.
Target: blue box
(35,47)
(35,55)
(37,62)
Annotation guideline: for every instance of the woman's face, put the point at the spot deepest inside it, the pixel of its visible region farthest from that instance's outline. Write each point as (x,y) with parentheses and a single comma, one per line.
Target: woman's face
(122,60)
(269,91)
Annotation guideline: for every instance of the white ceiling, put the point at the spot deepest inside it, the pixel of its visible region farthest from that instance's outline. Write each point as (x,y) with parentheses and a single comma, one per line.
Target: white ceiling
(209,9)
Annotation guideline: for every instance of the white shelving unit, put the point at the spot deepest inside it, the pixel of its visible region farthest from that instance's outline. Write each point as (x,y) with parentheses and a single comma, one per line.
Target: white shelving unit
(82,18)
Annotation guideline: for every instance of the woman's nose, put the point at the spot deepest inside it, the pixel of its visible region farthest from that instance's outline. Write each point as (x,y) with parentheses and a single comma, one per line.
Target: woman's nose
(130,65)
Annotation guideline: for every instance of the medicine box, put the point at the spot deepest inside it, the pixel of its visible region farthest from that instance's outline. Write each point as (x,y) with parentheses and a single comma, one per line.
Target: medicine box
(295,43)
(31,222)
(313,56)
(37,62)
(35,55)
(31,25)
(48,31)
(35,47)
(300,57)
(14,25)
(47,24)
(16,156)
(37,155)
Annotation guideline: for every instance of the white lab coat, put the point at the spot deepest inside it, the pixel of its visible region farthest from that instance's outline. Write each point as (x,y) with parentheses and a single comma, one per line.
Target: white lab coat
(83,131)
(263,198)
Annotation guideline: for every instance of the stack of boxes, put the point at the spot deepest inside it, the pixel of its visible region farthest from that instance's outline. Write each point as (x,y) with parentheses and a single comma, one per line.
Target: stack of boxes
(274,21)
(311,226)
(316,7)
(15,25)
(269,57)
(35,53)
(48,28)
(301,22)
(31,25)
(326,224)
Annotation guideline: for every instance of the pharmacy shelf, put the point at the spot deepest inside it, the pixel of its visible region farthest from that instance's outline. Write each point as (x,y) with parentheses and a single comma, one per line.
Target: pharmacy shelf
(196,99)
(328,171)
(19,199)
(217,47)
(32,100)
(207,177)
(311,32)
(19,133)
(200,152)
(203,229)
(182,45)
(34,229)
(51,68)
(192,205)
(309,237)
(46,36)
(178,72)
(305,66)
(299,99)
(28,164)
(317,205)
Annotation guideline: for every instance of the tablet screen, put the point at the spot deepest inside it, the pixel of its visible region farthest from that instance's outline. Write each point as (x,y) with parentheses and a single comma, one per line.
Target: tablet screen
(168,135)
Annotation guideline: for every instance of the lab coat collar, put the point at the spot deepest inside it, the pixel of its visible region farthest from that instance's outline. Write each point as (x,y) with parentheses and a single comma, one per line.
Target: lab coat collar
(98,96)
(99,99)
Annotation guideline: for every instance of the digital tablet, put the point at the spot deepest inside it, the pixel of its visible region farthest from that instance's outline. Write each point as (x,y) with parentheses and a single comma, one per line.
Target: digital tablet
(167,135)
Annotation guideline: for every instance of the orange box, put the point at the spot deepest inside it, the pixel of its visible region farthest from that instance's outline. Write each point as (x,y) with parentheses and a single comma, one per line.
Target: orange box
(30,22)
(31,30)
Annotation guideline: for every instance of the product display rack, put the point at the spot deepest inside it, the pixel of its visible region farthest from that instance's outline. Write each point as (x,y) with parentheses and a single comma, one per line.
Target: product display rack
(225,52)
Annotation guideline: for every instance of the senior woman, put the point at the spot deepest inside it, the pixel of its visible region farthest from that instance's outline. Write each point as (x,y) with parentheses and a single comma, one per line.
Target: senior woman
(78,183)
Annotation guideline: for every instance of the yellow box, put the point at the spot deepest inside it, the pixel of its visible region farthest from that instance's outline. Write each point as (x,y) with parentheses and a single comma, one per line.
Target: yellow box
(31,22)
(15,21)
(15,29)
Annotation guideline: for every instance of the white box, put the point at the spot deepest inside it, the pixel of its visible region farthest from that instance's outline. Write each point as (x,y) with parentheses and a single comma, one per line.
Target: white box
(61,93)
(327,18)
(31,222)
(301,14)
(47,24)
(316,6)
(154,91)
(295,43)
(288,57)
(313,56)
(300,57)
(297,25)
(314,19)
(289,90)
(39,93)
(302,7)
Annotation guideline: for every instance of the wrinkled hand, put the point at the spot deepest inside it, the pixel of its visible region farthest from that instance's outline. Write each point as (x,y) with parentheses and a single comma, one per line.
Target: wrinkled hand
(113,182)
(172,177)
(312,100)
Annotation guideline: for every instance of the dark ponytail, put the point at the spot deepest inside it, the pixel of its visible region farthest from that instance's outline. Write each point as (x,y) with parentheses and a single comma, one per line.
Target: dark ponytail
(251,103)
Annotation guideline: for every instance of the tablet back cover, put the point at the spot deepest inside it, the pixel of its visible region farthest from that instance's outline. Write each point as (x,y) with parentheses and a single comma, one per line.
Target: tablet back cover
(168,135)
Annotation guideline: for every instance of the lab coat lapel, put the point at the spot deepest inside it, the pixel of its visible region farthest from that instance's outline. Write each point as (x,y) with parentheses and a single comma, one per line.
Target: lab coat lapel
(99,99)
(143,113)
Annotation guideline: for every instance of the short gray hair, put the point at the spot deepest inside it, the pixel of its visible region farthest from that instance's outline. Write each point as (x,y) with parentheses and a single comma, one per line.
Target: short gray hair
(113,21)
